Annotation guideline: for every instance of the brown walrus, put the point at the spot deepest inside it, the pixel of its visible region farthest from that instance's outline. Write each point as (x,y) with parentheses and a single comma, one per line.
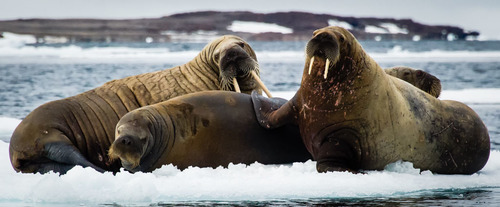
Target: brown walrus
(353,116)
(205,129)
(79,130)
(418,78)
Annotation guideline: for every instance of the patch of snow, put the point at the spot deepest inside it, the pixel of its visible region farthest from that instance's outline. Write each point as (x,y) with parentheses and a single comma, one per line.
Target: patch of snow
(258,27)
(385,28)
(345,25)
(451,37)
(416,38)
(394,29)
(197,36)
(375,29)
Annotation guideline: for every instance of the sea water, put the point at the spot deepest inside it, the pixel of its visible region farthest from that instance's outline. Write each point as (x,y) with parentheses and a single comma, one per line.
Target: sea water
(32,74)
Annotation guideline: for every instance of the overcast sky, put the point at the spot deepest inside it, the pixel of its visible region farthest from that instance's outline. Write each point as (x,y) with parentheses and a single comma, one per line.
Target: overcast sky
(479,15)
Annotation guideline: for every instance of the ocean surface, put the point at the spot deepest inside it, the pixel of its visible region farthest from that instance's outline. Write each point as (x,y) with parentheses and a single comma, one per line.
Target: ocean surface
(33,74)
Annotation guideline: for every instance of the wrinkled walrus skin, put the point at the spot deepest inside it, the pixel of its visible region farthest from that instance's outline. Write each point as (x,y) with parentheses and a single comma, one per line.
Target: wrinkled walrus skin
(205,129)
(78,130)
(353,116)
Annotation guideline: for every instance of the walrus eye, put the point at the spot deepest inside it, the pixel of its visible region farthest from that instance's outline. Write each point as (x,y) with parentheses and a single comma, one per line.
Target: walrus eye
(419,73)
(341,38)
(241,44)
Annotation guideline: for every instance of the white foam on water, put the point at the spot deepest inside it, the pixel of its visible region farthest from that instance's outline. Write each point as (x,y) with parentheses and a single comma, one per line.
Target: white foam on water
(397,53)
(14,45)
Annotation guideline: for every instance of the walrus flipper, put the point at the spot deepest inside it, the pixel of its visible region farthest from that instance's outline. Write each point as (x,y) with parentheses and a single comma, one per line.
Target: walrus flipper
(66,156)
(272,112)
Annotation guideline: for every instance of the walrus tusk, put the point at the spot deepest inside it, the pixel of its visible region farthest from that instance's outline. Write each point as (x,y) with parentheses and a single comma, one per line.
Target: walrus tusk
(261,84)
(327,65)
(236,86)
(311,65)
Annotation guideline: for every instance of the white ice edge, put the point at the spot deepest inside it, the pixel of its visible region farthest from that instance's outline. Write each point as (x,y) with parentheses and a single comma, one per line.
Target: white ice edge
(237,182)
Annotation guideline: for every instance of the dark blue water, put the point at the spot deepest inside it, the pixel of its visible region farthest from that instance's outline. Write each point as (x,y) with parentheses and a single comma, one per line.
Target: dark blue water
(27,82)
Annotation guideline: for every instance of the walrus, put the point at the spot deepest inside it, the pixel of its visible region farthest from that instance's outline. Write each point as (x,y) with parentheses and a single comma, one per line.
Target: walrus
(204,129)
(418,78)
(78,130)
(353,116)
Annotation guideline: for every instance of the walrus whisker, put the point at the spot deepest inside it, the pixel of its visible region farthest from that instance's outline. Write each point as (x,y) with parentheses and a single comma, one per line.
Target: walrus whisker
(261,84)
(327,65)
(112,155)
(236,86)
(311,65)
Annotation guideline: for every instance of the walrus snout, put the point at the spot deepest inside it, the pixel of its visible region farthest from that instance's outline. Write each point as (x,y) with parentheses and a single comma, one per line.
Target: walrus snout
(241,70)
(128,149)
(324,47)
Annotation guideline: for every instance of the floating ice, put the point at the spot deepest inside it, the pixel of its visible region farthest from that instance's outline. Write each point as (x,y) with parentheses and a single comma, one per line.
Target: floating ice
(235,183)
(257,27)
(7,126)
(11,40)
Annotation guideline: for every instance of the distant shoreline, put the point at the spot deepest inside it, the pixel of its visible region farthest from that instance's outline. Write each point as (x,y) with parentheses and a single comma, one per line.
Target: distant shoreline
(199,26)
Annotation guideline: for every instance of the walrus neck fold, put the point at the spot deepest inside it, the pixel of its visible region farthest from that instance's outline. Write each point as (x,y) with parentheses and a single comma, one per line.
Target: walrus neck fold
(162,141)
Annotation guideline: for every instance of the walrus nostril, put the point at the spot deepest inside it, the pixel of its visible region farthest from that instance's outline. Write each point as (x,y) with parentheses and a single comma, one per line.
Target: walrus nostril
(126,141)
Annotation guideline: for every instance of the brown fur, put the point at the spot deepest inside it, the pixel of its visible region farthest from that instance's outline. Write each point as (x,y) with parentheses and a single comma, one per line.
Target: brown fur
(82,126)
(357,117)
(206,129)
(420,79)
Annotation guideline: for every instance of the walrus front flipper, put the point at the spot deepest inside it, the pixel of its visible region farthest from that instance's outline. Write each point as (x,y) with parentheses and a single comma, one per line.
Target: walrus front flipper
(66,156)
(272,112)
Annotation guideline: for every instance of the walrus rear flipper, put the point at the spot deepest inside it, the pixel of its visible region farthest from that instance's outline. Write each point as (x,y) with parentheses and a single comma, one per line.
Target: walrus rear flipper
(66,156)
(54,167)
(273,112)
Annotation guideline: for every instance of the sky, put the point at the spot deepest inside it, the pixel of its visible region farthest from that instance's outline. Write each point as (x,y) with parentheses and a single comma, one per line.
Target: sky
(477,15)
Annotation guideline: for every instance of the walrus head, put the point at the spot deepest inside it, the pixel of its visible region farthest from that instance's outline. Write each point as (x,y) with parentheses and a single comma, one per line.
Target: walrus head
(419,78)
(133,139)
(238,66)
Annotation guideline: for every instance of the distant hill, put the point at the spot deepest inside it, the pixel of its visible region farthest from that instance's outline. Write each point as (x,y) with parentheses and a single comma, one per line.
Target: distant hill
(202,26)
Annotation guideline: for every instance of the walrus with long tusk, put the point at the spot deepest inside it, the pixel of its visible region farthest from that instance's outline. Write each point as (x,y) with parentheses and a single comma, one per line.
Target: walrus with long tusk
(353,116)
(78,130)
(205,129)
